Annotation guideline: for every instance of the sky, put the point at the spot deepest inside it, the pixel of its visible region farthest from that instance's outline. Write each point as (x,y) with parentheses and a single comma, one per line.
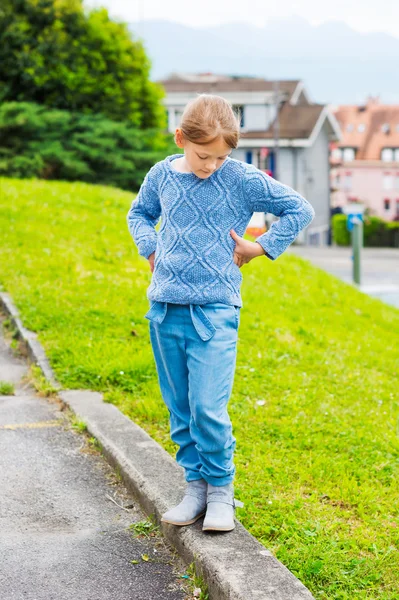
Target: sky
(365,16)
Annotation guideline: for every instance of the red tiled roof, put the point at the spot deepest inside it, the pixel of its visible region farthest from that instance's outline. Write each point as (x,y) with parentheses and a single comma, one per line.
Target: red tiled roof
(373,116)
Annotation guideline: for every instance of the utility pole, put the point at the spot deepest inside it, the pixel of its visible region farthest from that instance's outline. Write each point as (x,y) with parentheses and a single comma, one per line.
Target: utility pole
(354,224)
(357,244)
(276,129)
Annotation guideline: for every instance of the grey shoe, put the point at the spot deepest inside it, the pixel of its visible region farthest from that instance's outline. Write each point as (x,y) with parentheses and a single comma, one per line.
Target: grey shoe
(191,508)
(220,508)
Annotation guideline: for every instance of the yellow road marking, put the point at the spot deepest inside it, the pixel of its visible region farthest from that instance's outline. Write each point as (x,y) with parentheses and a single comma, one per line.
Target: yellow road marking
(31,425)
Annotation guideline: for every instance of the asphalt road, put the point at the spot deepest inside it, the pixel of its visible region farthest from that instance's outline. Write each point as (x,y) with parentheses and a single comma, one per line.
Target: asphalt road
(379,268)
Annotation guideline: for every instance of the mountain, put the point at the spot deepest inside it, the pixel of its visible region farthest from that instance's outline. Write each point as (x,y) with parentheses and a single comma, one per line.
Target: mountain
(338,64)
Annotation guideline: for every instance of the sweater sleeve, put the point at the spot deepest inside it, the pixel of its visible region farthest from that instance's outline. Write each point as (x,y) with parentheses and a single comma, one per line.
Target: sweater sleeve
(144,214)
(265,194)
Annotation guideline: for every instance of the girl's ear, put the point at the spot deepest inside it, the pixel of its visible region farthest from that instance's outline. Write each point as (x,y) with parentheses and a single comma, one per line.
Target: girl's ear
(179,138)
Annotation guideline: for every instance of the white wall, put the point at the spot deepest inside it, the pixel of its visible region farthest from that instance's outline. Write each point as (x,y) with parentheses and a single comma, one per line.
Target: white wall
(257,117)
(290,170)
(239,154)
(316,167)
(306,170)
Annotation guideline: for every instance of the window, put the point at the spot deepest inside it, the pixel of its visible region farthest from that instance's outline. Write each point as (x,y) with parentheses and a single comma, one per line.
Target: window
(336,154)
(334,181)
(239,108)
(385,128)
(387,154)
(248,157)
(387,181)
(387,204)
(347,181)
(349,127)
(361,127)
(390,154)
(348,154)
(397,181)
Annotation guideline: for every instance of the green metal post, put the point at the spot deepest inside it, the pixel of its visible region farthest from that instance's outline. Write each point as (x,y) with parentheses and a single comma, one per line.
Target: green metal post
(357,244)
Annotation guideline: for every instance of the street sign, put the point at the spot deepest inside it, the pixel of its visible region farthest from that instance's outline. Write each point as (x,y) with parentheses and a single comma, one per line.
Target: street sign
(352,219)
(354,212)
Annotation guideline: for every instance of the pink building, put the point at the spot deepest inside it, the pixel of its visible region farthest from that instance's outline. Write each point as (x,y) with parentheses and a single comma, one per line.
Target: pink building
(365,162)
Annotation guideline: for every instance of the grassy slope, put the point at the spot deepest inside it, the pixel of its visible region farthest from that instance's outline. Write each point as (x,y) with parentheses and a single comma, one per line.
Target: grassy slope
(318,462)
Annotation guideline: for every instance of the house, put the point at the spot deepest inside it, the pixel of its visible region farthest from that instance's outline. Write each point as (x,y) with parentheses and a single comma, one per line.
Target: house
(293,148)
(365,162)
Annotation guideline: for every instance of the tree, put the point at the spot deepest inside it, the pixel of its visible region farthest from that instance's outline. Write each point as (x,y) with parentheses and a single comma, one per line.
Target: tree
(55,53)
(36,141)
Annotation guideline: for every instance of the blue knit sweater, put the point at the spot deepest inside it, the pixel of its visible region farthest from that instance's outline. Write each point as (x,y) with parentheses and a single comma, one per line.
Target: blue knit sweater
(193,247)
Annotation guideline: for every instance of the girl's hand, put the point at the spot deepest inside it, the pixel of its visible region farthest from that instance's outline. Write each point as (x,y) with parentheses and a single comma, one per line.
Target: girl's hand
(245,250)
(151,259)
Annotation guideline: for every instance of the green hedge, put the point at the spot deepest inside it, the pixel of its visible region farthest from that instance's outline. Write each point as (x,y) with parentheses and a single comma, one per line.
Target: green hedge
(341,235)
(57,144)
(377,232)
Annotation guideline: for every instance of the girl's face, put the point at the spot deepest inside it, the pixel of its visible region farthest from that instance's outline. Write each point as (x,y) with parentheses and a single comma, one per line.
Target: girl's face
(203,159)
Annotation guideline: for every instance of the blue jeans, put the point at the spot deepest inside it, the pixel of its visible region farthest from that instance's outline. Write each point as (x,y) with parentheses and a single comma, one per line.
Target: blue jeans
(195,349)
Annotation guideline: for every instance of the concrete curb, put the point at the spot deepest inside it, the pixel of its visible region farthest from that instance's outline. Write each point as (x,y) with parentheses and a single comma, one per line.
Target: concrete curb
(35,349)
(234,565)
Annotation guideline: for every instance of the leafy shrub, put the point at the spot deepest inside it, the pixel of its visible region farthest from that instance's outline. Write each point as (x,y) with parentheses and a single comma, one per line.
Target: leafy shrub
(376,231)
(341,235)
(56,144)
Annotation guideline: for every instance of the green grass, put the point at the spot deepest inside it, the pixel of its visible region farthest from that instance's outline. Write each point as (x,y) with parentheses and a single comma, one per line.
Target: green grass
(317,462)
(146,528)
(39,381)
(78,424)
(198,584)
(6,388)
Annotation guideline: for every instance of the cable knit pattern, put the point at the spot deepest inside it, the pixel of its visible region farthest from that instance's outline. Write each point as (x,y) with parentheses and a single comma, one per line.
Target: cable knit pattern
(193,247)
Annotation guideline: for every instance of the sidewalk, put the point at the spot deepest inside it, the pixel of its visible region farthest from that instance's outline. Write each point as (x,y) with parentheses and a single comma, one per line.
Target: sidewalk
(62,535)
(379,268)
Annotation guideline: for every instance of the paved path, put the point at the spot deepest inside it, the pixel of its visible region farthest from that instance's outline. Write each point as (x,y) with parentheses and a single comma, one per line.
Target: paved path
(380,268)
(61,537)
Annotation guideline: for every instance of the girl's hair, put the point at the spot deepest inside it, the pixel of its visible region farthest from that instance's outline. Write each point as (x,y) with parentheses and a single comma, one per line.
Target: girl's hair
(208,117)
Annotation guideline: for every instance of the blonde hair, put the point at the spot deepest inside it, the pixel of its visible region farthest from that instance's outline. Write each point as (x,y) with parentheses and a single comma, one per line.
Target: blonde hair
(208,117)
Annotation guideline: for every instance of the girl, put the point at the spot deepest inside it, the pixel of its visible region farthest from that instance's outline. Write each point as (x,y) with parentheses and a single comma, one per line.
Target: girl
(206,200)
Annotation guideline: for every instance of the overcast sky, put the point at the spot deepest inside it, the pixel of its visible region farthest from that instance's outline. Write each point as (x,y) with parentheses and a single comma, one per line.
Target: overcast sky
(368,15)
